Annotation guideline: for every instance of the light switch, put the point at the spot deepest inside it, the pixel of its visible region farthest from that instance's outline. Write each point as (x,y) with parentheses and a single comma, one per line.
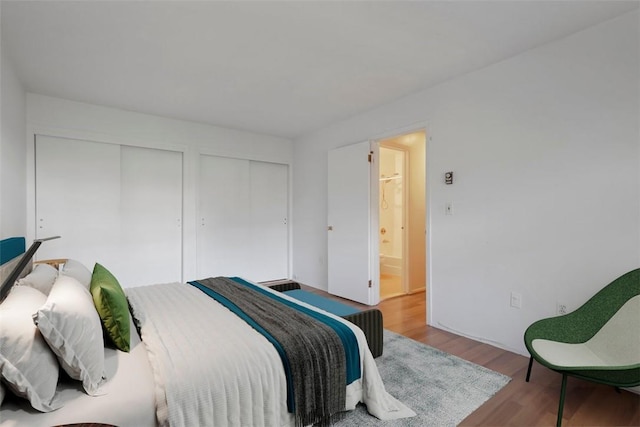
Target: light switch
(448,208)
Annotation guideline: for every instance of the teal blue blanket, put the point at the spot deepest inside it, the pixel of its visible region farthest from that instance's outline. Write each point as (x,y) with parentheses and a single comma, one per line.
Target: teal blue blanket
(348,338)
(265,319)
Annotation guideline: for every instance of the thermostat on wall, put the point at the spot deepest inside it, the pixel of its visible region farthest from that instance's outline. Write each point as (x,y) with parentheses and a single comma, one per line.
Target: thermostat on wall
(448,177)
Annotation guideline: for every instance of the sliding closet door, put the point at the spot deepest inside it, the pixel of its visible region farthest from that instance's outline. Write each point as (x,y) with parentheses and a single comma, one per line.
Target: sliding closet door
(151,215)
(242,228)
(117,205)
(225,202)
(78,198)
(269,212)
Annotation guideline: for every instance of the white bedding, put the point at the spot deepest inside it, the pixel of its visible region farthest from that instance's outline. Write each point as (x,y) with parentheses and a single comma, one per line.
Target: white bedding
(127,402)
(211,368)
(234,378)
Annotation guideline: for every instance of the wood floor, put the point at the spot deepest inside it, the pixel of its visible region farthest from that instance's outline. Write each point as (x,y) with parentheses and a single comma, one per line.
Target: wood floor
(519,403)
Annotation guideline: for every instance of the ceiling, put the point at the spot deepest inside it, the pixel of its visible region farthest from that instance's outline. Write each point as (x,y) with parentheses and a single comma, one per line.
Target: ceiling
(283,68)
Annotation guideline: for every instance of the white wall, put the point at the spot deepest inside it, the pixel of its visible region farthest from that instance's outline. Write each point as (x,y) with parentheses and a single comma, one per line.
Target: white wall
(545,150)
(64,118)
(13,202)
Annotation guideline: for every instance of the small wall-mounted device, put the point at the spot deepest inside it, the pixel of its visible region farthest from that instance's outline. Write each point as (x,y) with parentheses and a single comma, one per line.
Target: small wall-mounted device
(448,178)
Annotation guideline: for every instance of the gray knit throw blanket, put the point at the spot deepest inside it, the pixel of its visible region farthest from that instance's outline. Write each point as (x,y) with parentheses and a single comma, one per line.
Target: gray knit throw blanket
(314,351)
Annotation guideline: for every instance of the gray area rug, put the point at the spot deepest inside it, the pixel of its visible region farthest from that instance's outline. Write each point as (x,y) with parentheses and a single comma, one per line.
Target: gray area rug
(441,388)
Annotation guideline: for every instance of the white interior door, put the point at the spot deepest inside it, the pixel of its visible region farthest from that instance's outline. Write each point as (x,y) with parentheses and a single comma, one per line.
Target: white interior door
(151,212)
(225,212)
(78,198)
(349,225)
(269,221)
(243,225)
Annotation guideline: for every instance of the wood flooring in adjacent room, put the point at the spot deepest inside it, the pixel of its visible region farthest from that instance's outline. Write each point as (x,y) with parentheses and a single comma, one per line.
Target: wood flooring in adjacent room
(519,403)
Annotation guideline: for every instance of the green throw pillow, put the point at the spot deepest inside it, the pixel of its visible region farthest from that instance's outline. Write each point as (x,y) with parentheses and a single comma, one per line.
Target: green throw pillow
(112,306)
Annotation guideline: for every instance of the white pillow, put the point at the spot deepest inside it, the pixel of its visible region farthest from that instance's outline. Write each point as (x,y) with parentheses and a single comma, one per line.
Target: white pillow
(78,271)
(71,326)
(41,278)
(27,365)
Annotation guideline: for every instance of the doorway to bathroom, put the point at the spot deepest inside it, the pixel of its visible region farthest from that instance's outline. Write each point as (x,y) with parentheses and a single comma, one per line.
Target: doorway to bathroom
(402,214)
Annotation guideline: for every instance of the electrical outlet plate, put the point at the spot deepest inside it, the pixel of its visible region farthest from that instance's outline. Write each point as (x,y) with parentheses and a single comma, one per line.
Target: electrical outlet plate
(516,300)
(561,309)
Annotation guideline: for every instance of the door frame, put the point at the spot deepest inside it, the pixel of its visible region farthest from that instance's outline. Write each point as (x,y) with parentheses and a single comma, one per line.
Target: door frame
(415,127)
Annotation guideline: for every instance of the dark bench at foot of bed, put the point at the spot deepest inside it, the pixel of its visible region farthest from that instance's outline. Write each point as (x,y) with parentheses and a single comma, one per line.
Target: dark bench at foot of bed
(370,321)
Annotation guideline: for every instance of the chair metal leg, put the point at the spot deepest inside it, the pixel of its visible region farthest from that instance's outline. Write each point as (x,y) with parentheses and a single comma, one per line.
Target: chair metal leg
(529,370)
(563,390)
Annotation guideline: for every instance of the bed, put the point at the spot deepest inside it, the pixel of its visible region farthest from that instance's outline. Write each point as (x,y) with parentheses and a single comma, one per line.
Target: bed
(182,368)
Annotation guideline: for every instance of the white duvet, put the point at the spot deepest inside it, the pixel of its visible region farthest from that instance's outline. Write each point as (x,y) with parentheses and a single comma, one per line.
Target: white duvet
(211,368)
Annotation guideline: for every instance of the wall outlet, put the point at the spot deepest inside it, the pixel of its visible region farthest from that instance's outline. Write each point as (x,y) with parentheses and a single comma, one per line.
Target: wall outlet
(516,300)
(561,309)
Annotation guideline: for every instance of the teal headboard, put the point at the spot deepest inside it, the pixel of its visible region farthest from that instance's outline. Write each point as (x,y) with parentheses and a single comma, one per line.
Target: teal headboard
(15,267)
(11,248)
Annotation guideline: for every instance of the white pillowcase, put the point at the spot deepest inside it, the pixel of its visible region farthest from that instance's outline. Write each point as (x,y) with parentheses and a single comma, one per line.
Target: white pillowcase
(41,278)
(71,326)
(78,271)
(27,364)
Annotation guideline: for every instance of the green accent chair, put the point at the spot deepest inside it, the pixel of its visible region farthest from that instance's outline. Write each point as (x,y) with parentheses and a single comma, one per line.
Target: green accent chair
(599,342)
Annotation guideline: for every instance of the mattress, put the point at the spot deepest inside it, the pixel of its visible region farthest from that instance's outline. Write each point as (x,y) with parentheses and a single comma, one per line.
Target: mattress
(128,400)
